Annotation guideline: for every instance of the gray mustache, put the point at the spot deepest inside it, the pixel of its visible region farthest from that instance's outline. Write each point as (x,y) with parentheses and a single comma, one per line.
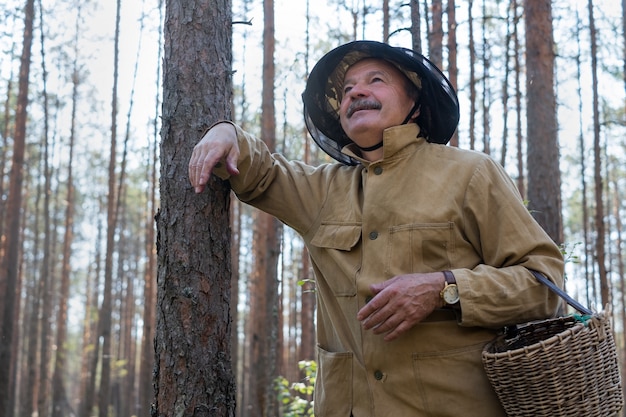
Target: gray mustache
(363,104)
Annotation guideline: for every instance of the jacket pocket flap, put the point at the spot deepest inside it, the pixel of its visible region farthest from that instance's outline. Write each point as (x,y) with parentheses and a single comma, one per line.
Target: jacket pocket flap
(341,236)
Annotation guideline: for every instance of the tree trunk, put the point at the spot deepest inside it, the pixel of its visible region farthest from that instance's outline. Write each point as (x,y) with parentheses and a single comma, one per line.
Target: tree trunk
(307,320)
(544,177)
(453,69)
(3,160)
(521,175)
(386,21)
(486,93)
(60,405)
(505,87)
(193,375)
(104,323)
(597,166)
(263,325)
(416,27)
(435,40)
(146,363)
(472,76)
(91,345)
(9,275)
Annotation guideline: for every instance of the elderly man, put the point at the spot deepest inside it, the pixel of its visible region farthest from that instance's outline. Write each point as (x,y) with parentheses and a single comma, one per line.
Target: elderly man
(420,250)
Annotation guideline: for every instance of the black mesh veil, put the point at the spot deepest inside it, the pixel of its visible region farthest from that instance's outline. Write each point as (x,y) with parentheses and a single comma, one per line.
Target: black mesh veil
(439,114)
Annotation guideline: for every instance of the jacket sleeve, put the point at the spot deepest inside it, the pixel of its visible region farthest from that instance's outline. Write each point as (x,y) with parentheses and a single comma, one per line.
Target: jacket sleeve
(501,290)
(291,191)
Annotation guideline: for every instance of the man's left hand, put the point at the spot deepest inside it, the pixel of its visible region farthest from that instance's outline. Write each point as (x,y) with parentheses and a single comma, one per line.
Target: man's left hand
(401,302)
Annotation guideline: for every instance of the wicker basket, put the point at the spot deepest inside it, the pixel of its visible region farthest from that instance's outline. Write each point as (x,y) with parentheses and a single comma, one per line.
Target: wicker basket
(557,367)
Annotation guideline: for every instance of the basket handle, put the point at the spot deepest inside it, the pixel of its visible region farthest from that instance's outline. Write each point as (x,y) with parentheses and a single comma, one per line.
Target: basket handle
(552,286)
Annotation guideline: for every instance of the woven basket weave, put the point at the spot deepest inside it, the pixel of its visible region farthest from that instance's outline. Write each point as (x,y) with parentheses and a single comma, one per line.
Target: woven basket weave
(564,366)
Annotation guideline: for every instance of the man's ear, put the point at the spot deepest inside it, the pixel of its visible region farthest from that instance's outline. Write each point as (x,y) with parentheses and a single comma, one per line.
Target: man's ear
(416,114)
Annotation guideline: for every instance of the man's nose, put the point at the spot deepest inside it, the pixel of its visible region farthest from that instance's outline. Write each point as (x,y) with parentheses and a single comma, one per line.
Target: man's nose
(357,90)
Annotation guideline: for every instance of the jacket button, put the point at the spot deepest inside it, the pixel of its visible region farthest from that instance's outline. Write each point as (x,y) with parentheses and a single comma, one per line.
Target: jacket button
(378,375)
(378,170)
(373,235)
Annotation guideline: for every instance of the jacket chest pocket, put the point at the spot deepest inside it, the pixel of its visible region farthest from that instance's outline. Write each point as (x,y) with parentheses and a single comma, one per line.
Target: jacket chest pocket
(419,247)
(335,251)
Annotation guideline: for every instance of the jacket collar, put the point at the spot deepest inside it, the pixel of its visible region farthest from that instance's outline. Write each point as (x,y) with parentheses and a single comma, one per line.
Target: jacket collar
(395,139)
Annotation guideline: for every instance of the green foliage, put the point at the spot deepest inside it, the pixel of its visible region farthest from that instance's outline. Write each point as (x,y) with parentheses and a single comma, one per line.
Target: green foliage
(311,285)
(568,252)
(296,399)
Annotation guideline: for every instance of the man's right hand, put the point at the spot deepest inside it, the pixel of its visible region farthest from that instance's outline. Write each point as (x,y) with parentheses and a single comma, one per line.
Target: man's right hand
(218,144)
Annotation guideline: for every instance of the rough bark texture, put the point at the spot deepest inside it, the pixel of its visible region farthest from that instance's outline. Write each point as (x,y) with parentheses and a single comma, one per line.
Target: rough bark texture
(193,375)
(544,177)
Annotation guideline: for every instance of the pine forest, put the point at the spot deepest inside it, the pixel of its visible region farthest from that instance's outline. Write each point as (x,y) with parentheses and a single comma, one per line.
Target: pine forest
(123,293)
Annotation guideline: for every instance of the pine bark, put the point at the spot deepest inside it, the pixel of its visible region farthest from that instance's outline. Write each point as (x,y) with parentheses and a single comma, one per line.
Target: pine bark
(416,27)
(544,177)
(435,39)
(9,275)
(263,324)
(193,375)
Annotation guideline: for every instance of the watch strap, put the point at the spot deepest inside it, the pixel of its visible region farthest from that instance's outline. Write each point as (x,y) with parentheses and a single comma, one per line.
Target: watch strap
(449,277)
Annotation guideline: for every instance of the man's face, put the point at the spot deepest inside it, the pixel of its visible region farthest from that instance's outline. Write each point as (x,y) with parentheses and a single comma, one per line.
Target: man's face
(374,98)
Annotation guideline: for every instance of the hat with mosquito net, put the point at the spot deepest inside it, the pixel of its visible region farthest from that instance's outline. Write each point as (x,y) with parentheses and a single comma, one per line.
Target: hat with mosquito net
(438,103)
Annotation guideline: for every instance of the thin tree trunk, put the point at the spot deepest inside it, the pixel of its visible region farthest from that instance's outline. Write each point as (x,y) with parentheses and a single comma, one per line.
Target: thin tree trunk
(3,161)
(125,384)
(235,215)
(597,166)
(9,275)
(416,28)
(149,293)
(386,21)
(104,323)
(505,88)
(619,244)
(32,381)
(583,168)
(521,176)
(453,69)
(486,96)
(620,254)
(435,40)
(60,405)
(263,305)
(307,348)
(472,76)
(149,288)
(59,396)
(18,307)
(91,344)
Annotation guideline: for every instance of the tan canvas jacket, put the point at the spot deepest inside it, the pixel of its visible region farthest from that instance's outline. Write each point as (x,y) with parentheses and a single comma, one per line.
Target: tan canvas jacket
(424,207)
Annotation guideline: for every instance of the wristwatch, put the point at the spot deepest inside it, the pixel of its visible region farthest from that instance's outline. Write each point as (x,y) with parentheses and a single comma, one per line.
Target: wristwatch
(450,292)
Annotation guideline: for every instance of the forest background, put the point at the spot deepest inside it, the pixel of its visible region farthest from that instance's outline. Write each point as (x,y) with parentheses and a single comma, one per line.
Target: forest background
(81,307)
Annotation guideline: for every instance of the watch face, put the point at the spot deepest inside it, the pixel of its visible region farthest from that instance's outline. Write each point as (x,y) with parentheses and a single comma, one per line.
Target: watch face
(451,294)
